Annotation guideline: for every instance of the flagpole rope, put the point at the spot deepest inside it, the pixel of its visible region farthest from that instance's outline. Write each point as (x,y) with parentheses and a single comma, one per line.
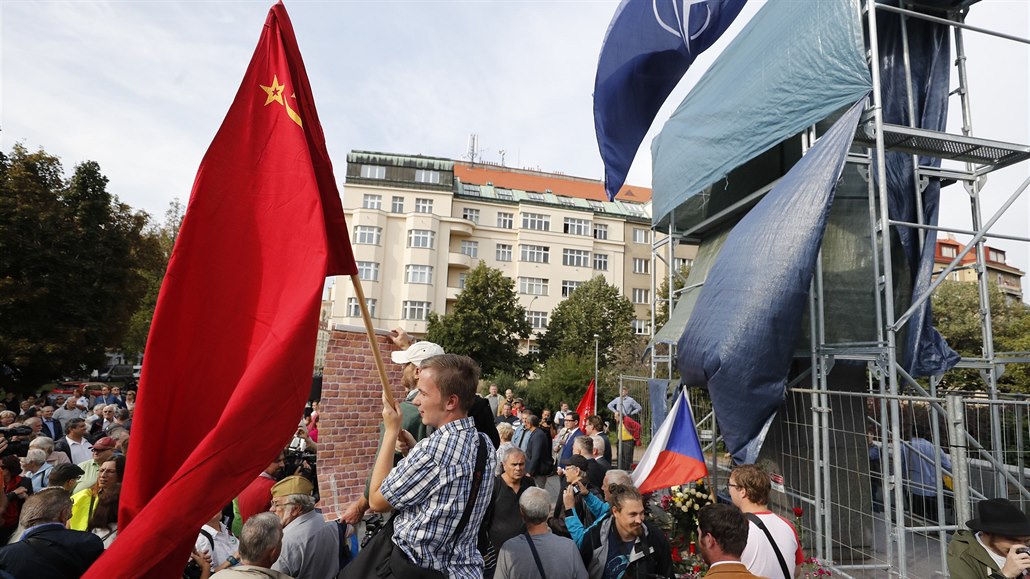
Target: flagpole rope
(370,331)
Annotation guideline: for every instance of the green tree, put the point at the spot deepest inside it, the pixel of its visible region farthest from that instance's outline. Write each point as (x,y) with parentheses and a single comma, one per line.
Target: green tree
(679,280)
(159,241)
(594,308)
(956,310)
(69,280)
(486,323)
(564,378)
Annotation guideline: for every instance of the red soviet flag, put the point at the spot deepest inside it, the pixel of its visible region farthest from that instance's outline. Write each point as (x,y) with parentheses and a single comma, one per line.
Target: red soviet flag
(231,348)
(586,405)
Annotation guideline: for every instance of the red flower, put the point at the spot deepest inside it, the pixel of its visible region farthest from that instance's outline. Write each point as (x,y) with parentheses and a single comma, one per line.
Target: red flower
(676,558)
(692,548)
(798,511)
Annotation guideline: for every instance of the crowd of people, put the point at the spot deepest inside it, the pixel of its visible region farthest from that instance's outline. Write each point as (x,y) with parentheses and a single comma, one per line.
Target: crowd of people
(463,481)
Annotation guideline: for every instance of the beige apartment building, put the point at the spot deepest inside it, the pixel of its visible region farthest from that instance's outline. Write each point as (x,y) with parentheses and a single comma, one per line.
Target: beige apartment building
(419,224)
(1009,279)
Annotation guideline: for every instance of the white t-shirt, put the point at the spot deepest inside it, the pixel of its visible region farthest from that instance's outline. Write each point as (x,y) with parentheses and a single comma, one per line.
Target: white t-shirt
(758,555)
(225,544)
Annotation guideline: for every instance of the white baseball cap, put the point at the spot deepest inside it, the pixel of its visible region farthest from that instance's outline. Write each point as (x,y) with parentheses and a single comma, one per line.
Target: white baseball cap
(417,353)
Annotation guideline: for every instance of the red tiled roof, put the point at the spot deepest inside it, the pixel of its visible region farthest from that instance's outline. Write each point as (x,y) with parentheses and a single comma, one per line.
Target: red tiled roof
(525,180)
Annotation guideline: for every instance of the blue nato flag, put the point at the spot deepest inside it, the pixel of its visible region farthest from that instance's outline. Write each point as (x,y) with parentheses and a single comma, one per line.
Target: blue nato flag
(649,45)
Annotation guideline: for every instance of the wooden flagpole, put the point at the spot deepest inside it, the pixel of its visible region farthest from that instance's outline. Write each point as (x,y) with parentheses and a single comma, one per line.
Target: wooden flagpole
(370,331)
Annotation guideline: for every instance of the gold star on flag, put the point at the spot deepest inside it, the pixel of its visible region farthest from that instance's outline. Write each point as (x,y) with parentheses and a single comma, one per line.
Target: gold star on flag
(275,92)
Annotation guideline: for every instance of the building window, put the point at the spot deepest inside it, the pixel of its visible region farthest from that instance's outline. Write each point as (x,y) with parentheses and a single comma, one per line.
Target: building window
(679,263)
(533,286)
(568,286)
(641,265)
(635,209)
(470,248)
(367,234)
(577,226)
(533,195)
(600,231)
(995,255)
(469,214)
(469,189)
(398,205)
(601,262)
(536,221)
(463,277)
(503,252)
(596,205)
(948,251)
(353,311)
(641,327)
(373,172)
(505,220)
(421,238)
(426,176)
(535,253)
(372,201)
(575,258)
(641,235)
(418,274)
(533,349)
(566,200)
(368,271)
(505,194)
(641,296)
(537,320)
(423,205)
(416,310)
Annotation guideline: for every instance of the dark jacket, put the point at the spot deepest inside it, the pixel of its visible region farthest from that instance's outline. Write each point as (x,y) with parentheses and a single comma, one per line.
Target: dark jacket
(51,552)
(539,461)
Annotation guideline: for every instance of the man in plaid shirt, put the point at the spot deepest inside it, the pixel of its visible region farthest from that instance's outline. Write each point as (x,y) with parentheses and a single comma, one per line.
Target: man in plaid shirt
(430,488)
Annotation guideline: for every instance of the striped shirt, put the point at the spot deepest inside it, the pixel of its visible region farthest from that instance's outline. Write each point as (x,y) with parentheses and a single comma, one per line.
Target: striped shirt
(429,490)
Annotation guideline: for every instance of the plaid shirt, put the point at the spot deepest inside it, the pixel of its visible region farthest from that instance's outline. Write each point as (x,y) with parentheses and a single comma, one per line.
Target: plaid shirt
(429,490)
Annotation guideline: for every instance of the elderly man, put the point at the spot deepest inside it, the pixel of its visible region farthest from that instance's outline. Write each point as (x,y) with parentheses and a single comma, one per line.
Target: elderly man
(35,467)
(260,544)
(68,411)
(67,553)
(538,550)
(773,548)
(493,398)
(51,426)
(412,358)
(102,452)
(722,533)
(625,541)
(442,489)
(46,444)
(508,488)
(995,544)
(311,546)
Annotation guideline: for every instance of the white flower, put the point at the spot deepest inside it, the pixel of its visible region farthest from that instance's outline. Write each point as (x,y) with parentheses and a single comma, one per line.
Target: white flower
(684,508)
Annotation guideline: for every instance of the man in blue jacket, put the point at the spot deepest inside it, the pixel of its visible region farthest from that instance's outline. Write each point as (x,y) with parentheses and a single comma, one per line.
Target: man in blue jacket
(48,550)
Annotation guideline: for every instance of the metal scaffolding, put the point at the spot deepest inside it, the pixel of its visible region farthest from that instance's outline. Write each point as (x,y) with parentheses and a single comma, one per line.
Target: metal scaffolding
(892,398)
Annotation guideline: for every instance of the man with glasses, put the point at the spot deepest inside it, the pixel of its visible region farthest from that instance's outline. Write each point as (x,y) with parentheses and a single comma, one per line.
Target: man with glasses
(995,546)
(103,450)
(773,548)
(310,547)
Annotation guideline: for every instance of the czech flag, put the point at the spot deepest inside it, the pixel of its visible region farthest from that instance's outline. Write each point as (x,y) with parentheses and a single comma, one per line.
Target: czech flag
(674,456)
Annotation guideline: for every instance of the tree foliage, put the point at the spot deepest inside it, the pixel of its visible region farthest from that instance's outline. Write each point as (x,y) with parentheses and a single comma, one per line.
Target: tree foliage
(594,308)
(70,255)
(486,323)
(564,378)
(160,239)
(679,280)
(956,310)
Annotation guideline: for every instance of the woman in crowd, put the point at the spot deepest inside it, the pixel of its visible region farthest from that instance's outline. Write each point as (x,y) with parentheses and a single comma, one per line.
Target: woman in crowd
(17,488)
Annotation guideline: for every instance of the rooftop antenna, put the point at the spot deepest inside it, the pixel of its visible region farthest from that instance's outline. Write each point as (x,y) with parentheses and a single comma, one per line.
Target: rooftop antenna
(472,149)
(501,153)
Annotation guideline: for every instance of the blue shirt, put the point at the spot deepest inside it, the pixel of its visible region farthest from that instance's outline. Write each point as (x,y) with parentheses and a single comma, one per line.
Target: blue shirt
(918,457)
(429,490)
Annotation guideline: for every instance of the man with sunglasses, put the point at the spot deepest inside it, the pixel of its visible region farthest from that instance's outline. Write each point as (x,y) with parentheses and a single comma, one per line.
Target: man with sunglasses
(995,546)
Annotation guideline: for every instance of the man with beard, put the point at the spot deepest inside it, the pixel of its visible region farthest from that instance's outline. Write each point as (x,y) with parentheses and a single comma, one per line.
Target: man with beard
(257,497)
(412,428)
(625,545)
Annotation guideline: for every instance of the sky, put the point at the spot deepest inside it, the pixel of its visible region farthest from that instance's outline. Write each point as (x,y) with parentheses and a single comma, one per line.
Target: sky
(142,86)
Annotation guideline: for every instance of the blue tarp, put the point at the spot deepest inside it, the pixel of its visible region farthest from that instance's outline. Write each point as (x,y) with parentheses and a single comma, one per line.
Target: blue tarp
(740,340)
(658,394)
(793,65)
(923,351)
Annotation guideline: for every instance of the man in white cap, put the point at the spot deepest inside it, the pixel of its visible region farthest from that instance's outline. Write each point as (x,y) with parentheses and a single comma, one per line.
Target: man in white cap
(411,356)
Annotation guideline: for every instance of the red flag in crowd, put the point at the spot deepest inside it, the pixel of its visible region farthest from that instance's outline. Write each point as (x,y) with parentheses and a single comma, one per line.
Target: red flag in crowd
(231,348)
(586,405)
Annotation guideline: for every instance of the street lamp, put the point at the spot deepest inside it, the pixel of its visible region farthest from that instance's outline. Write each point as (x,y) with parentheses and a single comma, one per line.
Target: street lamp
(597,339)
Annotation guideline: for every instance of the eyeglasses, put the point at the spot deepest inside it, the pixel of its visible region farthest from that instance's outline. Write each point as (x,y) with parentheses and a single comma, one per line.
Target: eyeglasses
(274,505)
(96,450)
(731,485)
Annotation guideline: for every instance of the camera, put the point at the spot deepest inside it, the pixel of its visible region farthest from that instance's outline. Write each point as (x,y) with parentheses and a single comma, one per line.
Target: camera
(15,431)
(575,489)
(1023,550)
